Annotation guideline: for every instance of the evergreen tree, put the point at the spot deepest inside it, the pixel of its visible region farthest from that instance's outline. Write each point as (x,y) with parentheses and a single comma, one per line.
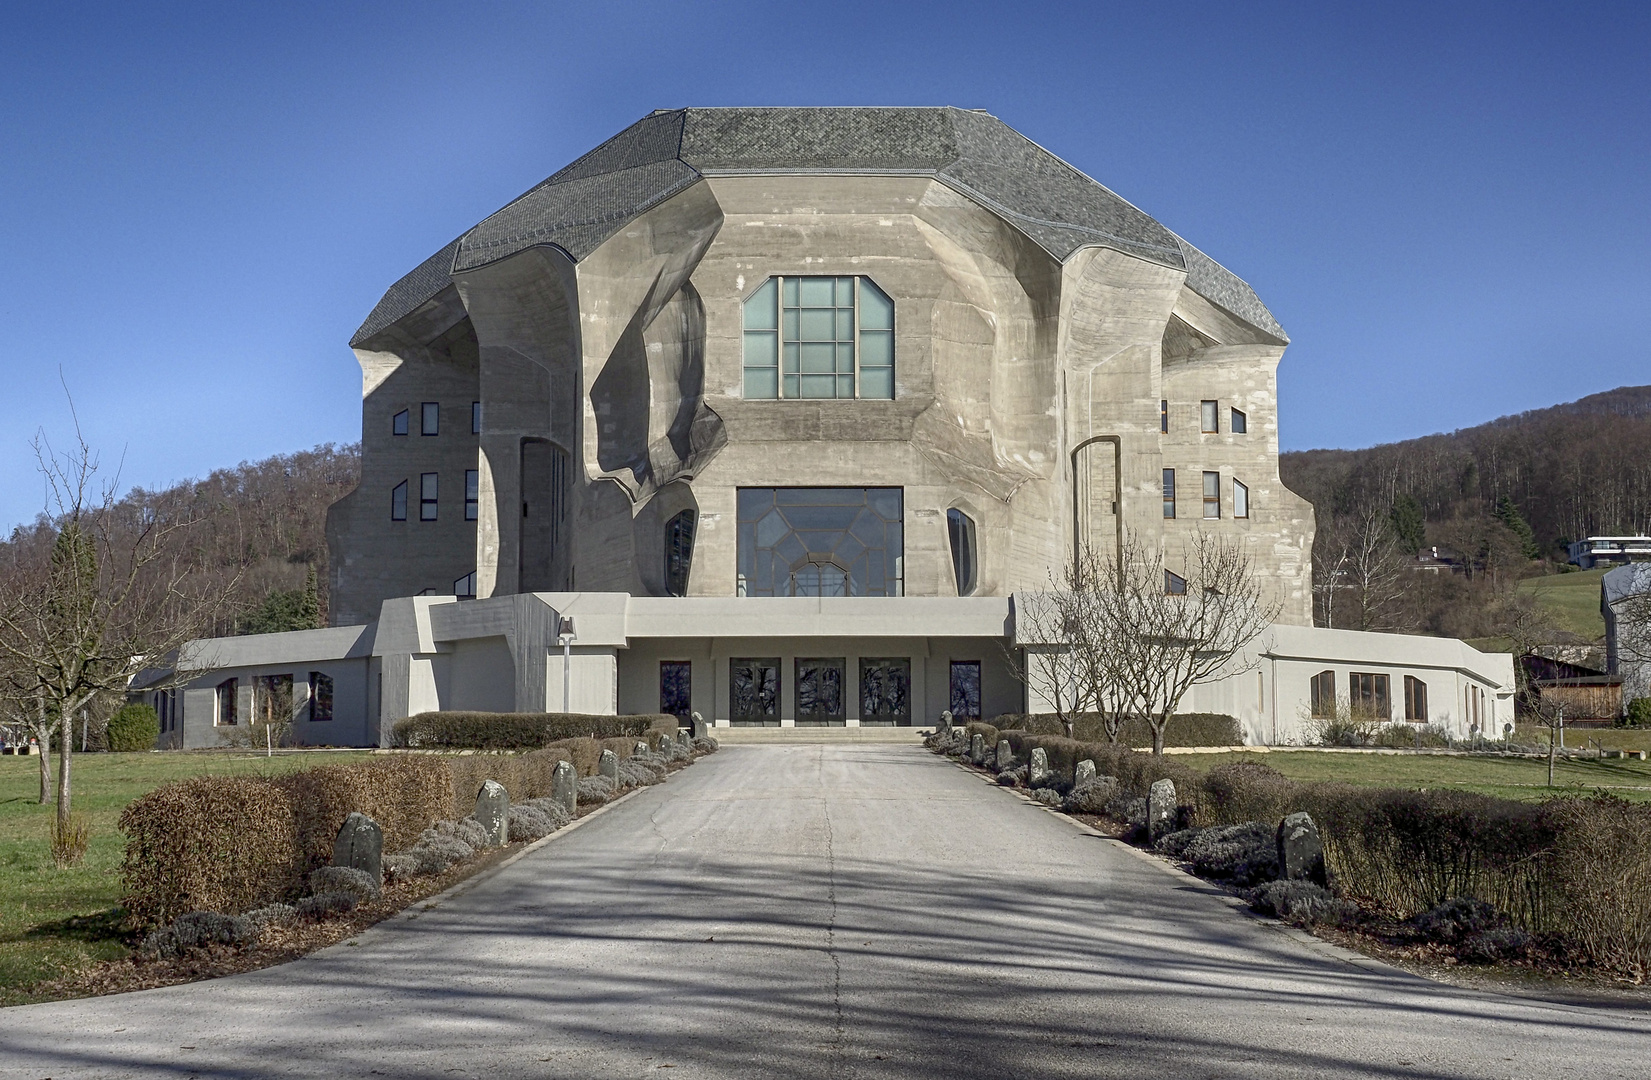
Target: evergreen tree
(1409,524)
(1508,514)
(285,609)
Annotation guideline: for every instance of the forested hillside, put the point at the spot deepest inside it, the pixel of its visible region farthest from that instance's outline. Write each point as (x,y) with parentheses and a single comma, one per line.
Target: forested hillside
(1506,496)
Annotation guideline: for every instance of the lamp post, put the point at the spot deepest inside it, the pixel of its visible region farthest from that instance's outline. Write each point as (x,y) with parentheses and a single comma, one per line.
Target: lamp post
(565,634)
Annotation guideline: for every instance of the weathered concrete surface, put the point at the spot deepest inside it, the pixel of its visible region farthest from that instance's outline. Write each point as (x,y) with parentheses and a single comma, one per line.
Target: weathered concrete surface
(808,912)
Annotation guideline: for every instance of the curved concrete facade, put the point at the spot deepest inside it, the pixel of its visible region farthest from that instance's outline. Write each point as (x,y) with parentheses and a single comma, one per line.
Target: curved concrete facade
(1043,330)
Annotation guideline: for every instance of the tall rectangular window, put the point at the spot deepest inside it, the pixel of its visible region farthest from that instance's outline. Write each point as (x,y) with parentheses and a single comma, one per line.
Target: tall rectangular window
(1209,417)
(320,697)
(1415,700)
(475,418)
(676,683)
(398,423)
(1169,493)
(965,690)
(228,690)
(427,497)
(1212,494)
(1324,695)
(429,418)
(398,502)
(1163,416)
(1240,423)
(472,493)
(1241,499)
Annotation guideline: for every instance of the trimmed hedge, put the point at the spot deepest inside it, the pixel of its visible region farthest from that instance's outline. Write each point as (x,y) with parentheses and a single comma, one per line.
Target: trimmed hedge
(132,728)
(519,731)
(1184,729)
(405,794)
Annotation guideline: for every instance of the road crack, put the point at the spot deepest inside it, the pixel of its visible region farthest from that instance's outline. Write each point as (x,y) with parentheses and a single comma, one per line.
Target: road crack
(839,1035)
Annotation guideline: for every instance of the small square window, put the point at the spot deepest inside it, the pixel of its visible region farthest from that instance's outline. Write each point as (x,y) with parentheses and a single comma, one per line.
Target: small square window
(1163,417)
(1174,584)
(475,418)
(472,493)
(1240,423)
(398,423)
(1212,494)
(465,587)
(1169,493)
(398,502)
(1241,499)
(427,497)
(429,418)
(1209,417)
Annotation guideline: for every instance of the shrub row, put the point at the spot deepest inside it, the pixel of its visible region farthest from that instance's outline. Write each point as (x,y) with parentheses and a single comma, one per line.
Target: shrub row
(519,731)
(1183,729)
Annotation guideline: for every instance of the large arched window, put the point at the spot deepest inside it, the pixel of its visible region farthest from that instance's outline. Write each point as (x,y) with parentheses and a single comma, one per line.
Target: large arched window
(819,337)
(961,530)
(679,552)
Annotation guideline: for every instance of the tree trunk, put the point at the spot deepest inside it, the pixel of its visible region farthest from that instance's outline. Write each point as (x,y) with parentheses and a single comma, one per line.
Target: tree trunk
(1158,736)
(65,755)
(43,733)
(1552,745)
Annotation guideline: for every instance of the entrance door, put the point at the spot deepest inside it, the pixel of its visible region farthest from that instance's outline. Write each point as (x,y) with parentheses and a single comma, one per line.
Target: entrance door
(676,690)
(820,692)
(885,692)
(754,692)
(965,690)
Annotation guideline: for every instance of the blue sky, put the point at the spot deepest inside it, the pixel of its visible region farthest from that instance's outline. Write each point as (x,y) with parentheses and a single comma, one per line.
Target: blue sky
(1445,205)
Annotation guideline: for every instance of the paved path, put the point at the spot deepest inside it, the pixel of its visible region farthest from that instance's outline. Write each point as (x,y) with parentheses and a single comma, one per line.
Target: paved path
(819,911)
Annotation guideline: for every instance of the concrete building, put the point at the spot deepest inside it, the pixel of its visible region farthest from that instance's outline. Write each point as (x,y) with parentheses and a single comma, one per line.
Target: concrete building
(782,407)
(1625,603)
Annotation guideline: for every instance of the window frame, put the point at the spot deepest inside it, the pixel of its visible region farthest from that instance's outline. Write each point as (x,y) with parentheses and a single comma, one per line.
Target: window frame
(475,418)
(429,492)
(1238,422)
(313,713)
(465,587)
(429,418)
(1321,695)
(1209,417)
(1212,499)
(472,494)
(776,330)
(962,539)
(1377,693)
(400,423)
(1169,494)
(398,502)
(1174,584)
(678,566)
(1163,416)
(1415,700)
(1241,499)
(227,703)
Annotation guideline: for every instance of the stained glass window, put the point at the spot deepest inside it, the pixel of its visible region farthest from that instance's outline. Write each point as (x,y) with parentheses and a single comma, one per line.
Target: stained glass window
(965,696)
(676,688)
(885,691)
(819,692)
(821,542)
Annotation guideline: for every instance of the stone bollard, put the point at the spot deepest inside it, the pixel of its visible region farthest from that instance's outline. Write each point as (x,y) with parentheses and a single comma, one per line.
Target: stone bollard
(564,787)
(977,749)
(945,720)
(701,729)
(1005,755)
(1160,810)
(1300,850)
(662,743)
(1038,773)
(360,846)
(493,812)
(608,765)
(639,748)
(1084,773)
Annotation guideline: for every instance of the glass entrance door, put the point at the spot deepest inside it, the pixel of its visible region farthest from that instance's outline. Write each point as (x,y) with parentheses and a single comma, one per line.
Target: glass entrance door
(754,692)
(820,692)
(885,692)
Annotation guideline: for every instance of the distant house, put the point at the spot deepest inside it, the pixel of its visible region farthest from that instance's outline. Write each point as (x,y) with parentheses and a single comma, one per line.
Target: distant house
(1610,551)
(1436,560)
(1568,676)
(1625,602)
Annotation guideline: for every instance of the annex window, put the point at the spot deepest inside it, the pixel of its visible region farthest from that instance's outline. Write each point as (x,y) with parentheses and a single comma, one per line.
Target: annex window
(398,502)
(819,337)
(679,552)
(965,690)
(472,494)
(821,542)
(1212,494)
(1209,417)
(475,418)
(1169,493)
(228,690)
(676,682)
(465,587)
(429,418)
(960,528)
(1369,695)
(1240,423)
(1415,700)
(272,699)
(1241,499)
(1163,417)
(1174,584)
(398,423)
(427,496)
(320,697)
(1324,695)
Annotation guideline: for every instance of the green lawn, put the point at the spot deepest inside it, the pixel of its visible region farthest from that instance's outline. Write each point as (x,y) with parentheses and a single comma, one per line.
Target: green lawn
(1512,778)
(1572,599)
(54,921)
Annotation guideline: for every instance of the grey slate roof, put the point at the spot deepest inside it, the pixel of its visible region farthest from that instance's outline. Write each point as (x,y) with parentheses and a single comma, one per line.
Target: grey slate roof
(1054,204)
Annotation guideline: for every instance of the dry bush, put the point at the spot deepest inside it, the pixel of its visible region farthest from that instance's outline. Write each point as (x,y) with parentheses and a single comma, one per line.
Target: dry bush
(207,844)
(70,839)
(405,794)
(1183,729)
(1601,871)
(520,731)
(1248,791)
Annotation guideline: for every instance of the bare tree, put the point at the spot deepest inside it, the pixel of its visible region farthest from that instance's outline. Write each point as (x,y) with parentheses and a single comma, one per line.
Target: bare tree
(1044,663)
(104,599)
(1164,631)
